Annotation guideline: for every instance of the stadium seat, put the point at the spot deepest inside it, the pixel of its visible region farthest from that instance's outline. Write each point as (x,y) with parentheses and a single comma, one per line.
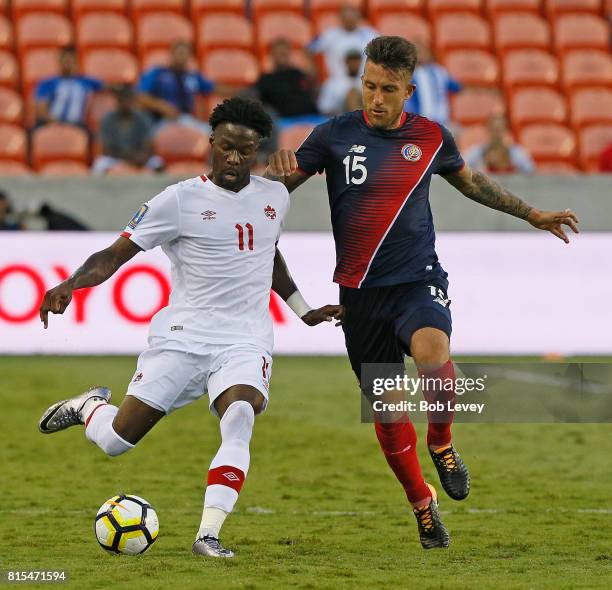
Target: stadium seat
(537,105)
(209,102)
(521,31)
(291,138)
(437,7)
(555,7)
(260,7)
(378,7)
(11,107)
(592,141)
(200,8)
(175,143)
(83,7)
(224,31)
(320,6)
(494,7)
(13,143)
(100,103)
(185,169)
(64,168)
(55,142)
(475,105)
(529,67)
(587,67)
(581,31)
(460,31)
(411,26)
(590,106)
(6,33)
(161,57)
(112,66)
(471,136)
(162,30)
(36,65)
(104,30)
(19,8)
(548,141)
(556,168)
(324,21)
(10,168)
(231,66)
(473,67)
(295,28)
(9,71)
(139,8)
(43,30)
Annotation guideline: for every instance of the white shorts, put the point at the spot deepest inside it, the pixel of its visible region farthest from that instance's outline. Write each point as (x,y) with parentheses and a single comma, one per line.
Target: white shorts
(169,379)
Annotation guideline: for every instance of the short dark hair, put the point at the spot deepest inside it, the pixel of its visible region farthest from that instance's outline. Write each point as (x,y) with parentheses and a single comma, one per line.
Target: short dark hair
(242,111)
(393,53)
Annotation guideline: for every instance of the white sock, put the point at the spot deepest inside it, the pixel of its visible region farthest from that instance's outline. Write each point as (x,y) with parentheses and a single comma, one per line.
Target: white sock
(229,467)
(99,430)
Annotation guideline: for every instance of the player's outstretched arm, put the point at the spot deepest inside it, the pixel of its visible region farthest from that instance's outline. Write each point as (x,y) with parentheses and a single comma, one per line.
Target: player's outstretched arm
(480,188)
(96,269)
(283,167)
(284,285)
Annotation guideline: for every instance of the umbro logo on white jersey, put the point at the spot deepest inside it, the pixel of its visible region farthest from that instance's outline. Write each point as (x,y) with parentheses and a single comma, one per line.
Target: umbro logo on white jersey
(207,215)
(231,476)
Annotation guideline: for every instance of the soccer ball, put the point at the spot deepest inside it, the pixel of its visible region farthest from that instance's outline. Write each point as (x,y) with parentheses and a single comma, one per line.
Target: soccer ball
(126,524)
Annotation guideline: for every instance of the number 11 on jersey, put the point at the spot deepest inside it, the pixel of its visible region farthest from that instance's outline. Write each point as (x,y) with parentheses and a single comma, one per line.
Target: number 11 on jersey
(240,229)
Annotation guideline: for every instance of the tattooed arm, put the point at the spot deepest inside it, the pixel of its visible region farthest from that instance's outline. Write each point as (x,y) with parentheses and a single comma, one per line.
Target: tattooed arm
(480,188)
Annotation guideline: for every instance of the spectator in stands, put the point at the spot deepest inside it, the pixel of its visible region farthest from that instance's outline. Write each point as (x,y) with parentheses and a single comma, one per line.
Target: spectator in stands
(126,136)
(499,155)
(433,86)
(63,98)
(335,42)
(340,94)
(168,93)
(287,90)
(605,160)
(5,214)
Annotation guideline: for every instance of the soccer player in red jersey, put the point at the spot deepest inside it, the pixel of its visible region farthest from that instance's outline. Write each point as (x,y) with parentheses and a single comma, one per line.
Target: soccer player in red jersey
(378,164)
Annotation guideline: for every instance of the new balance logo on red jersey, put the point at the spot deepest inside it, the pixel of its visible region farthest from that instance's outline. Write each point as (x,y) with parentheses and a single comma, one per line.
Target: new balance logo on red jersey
(207,215)
(231,476)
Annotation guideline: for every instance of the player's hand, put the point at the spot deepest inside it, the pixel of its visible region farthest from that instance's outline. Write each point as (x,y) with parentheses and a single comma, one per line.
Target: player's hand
(553,221)
(327,313)
(55,301)
(282,163)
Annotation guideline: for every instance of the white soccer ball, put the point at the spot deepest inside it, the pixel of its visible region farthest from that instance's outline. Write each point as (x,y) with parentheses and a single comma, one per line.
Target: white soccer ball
(126,524)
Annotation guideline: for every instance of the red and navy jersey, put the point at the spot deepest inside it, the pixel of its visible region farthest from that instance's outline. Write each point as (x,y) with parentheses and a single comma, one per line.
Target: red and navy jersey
(378,185)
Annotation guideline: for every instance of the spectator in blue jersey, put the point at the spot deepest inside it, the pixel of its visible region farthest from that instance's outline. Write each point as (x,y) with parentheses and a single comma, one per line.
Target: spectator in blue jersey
(168,93)
(434,85)
(63,98)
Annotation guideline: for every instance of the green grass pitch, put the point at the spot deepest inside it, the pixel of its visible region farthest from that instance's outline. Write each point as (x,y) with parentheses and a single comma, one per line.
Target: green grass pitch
(320,508)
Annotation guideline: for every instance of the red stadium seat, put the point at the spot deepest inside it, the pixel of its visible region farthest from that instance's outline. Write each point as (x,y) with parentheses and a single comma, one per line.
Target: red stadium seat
(320,6)
(410,26)
(175,143)
(200,8)
(186,169)
(554,7)
(13,143)
(6,33)
(581,31)
(11,107)
(295,28)
(224,31)
(55,142)
(9,71)
(4,6)
(100,103)
(474,106)
(590,106)
(592,141)
(140,8)
(557,168)
(460,31)
(473,67)
(112,66)
(437,7)
(325,20)
(43,30)
(10,168)
(378,7)
(537,105)
(529,67)
(104,30)
(161,57)
(292,137)
(504,6)
(260,7)
(162,30)
(549,141)
(587,67)
(82,7)
(37,65)
(472,136)
(231,66)
(521,31)
(23,7)
(64,168)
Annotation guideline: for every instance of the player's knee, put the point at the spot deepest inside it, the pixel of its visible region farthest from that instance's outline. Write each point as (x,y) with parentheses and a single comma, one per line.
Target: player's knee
(238,420)
(429,353)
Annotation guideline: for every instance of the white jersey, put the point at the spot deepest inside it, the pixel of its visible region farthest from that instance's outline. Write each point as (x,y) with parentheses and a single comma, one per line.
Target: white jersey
(221,246)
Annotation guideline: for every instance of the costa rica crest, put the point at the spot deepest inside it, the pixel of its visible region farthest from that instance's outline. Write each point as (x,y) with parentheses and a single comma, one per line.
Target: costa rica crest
(412,152)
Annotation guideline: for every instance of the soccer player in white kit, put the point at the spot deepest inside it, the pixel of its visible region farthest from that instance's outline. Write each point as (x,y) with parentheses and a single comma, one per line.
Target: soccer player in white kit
(220,234)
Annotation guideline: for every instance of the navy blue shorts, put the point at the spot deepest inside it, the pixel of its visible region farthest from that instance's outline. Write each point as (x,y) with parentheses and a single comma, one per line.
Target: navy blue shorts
(380,321)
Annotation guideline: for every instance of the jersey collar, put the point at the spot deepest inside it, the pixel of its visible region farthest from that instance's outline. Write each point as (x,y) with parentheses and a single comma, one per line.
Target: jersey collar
(402,120)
